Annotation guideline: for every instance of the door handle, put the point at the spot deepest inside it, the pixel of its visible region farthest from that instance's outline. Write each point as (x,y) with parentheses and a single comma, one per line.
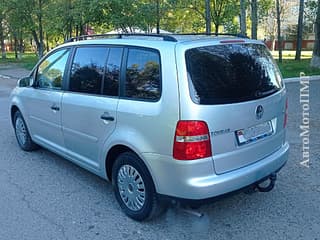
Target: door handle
(106,116)
(55,107)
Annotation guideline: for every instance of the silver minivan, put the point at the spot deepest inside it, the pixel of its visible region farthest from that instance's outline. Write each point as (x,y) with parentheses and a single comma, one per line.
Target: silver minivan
(183,117)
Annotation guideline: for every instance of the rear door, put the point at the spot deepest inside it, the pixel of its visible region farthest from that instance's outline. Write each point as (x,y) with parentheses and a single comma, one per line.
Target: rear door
(238,91)
(89,107)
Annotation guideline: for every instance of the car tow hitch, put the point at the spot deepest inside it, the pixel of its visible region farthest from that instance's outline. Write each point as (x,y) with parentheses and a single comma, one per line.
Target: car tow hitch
(272,179)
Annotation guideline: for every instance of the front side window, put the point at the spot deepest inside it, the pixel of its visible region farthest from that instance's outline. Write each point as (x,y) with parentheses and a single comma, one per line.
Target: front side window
(51,71)
(143,75)
(88,69)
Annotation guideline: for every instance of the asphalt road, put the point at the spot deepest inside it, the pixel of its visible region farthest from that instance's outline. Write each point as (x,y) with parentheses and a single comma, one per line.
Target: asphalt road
(43,196)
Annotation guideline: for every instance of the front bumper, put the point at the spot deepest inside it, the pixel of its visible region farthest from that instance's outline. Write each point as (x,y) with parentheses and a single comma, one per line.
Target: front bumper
(195,180)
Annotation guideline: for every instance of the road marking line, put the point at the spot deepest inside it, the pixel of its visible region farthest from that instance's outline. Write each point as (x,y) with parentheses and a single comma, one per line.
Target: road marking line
(4,76)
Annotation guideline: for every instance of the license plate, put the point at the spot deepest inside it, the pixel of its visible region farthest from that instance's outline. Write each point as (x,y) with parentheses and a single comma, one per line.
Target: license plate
(252,134)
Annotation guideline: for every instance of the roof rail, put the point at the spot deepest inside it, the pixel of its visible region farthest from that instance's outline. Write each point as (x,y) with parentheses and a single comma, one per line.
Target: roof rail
(165,37)
(240,35)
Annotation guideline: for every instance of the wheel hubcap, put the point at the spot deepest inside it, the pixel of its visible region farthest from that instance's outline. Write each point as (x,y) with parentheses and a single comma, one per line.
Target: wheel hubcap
(131,187)
(21,131)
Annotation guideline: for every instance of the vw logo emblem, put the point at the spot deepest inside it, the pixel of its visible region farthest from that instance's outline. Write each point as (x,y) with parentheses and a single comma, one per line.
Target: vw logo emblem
(259,112)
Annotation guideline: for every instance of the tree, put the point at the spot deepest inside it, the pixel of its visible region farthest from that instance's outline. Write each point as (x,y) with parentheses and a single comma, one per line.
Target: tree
(208,17)
(243,17)
(315,61)
(254,19)
(259,12)
(27,16)
(128,15)
(17,23)
(178,17)
(2,29)
(37,28)
(158,16)
(278,11)
(300,31)
(221,11)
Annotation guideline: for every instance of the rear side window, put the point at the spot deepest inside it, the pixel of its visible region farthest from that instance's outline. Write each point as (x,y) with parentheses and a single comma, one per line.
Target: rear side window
(96,70)
(143,75)
(88,69)
(112,75)
(231,73)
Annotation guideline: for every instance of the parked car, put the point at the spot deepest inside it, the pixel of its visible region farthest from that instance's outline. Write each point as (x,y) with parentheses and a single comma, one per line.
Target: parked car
(183,117)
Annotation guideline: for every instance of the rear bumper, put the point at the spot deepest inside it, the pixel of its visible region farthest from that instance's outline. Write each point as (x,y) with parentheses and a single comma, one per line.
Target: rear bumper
(195,180)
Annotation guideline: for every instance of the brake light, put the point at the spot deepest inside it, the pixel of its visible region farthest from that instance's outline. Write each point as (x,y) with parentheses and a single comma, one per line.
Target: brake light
(191,141)
(286,115)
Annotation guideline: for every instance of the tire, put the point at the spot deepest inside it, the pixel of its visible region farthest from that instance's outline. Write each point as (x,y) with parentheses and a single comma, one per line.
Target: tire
(134,188)
(22,133)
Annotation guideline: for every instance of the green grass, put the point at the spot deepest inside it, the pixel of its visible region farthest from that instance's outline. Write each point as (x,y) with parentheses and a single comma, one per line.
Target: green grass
(27,61)
(291,68)
(291,54)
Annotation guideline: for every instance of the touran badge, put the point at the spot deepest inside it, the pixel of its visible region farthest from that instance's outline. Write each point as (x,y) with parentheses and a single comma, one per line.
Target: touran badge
(259,112)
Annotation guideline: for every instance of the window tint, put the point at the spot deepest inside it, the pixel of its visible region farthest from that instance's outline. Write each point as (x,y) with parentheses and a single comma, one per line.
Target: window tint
(88,69)
(112,76)
(51,70)
(143,75)
(231,73)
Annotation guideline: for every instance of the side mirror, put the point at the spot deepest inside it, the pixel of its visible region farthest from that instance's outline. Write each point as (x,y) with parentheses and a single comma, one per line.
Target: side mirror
(25,82)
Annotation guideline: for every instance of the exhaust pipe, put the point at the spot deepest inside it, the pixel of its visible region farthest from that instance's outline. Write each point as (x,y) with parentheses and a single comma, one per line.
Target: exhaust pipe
(271,179)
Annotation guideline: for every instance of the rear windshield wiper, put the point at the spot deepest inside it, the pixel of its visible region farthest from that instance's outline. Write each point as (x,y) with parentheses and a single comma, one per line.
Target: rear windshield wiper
(266,93)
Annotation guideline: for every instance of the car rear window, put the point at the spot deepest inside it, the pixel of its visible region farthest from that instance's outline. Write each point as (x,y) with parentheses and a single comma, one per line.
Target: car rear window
(231,73)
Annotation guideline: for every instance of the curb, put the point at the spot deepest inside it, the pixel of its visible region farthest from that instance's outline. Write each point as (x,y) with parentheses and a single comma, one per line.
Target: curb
(297,79)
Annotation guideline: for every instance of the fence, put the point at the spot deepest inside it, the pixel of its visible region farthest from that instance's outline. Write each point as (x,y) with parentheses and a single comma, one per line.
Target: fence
(291,45)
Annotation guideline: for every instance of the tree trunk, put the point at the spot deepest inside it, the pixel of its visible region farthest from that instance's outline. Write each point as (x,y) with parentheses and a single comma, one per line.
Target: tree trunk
(243,17)
(77,31)
(254,19)
(70,20)
(20,45)
(15,40)
(82,29)
(3,47)
(279,29)
(39,39)
(315,61)
(300,30)
(47,42)
(158,17)
(273,47)
(21,49)
(208,18)
(36,39)
(11,44)
(216,30)
(41,46)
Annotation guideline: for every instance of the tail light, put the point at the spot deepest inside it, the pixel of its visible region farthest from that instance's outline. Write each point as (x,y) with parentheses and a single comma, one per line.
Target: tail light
(286,115)
(191,141)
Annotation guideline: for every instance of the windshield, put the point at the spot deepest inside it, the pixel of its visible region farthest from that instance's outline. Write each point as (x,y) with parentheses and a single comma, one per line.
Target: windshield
(231,73)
